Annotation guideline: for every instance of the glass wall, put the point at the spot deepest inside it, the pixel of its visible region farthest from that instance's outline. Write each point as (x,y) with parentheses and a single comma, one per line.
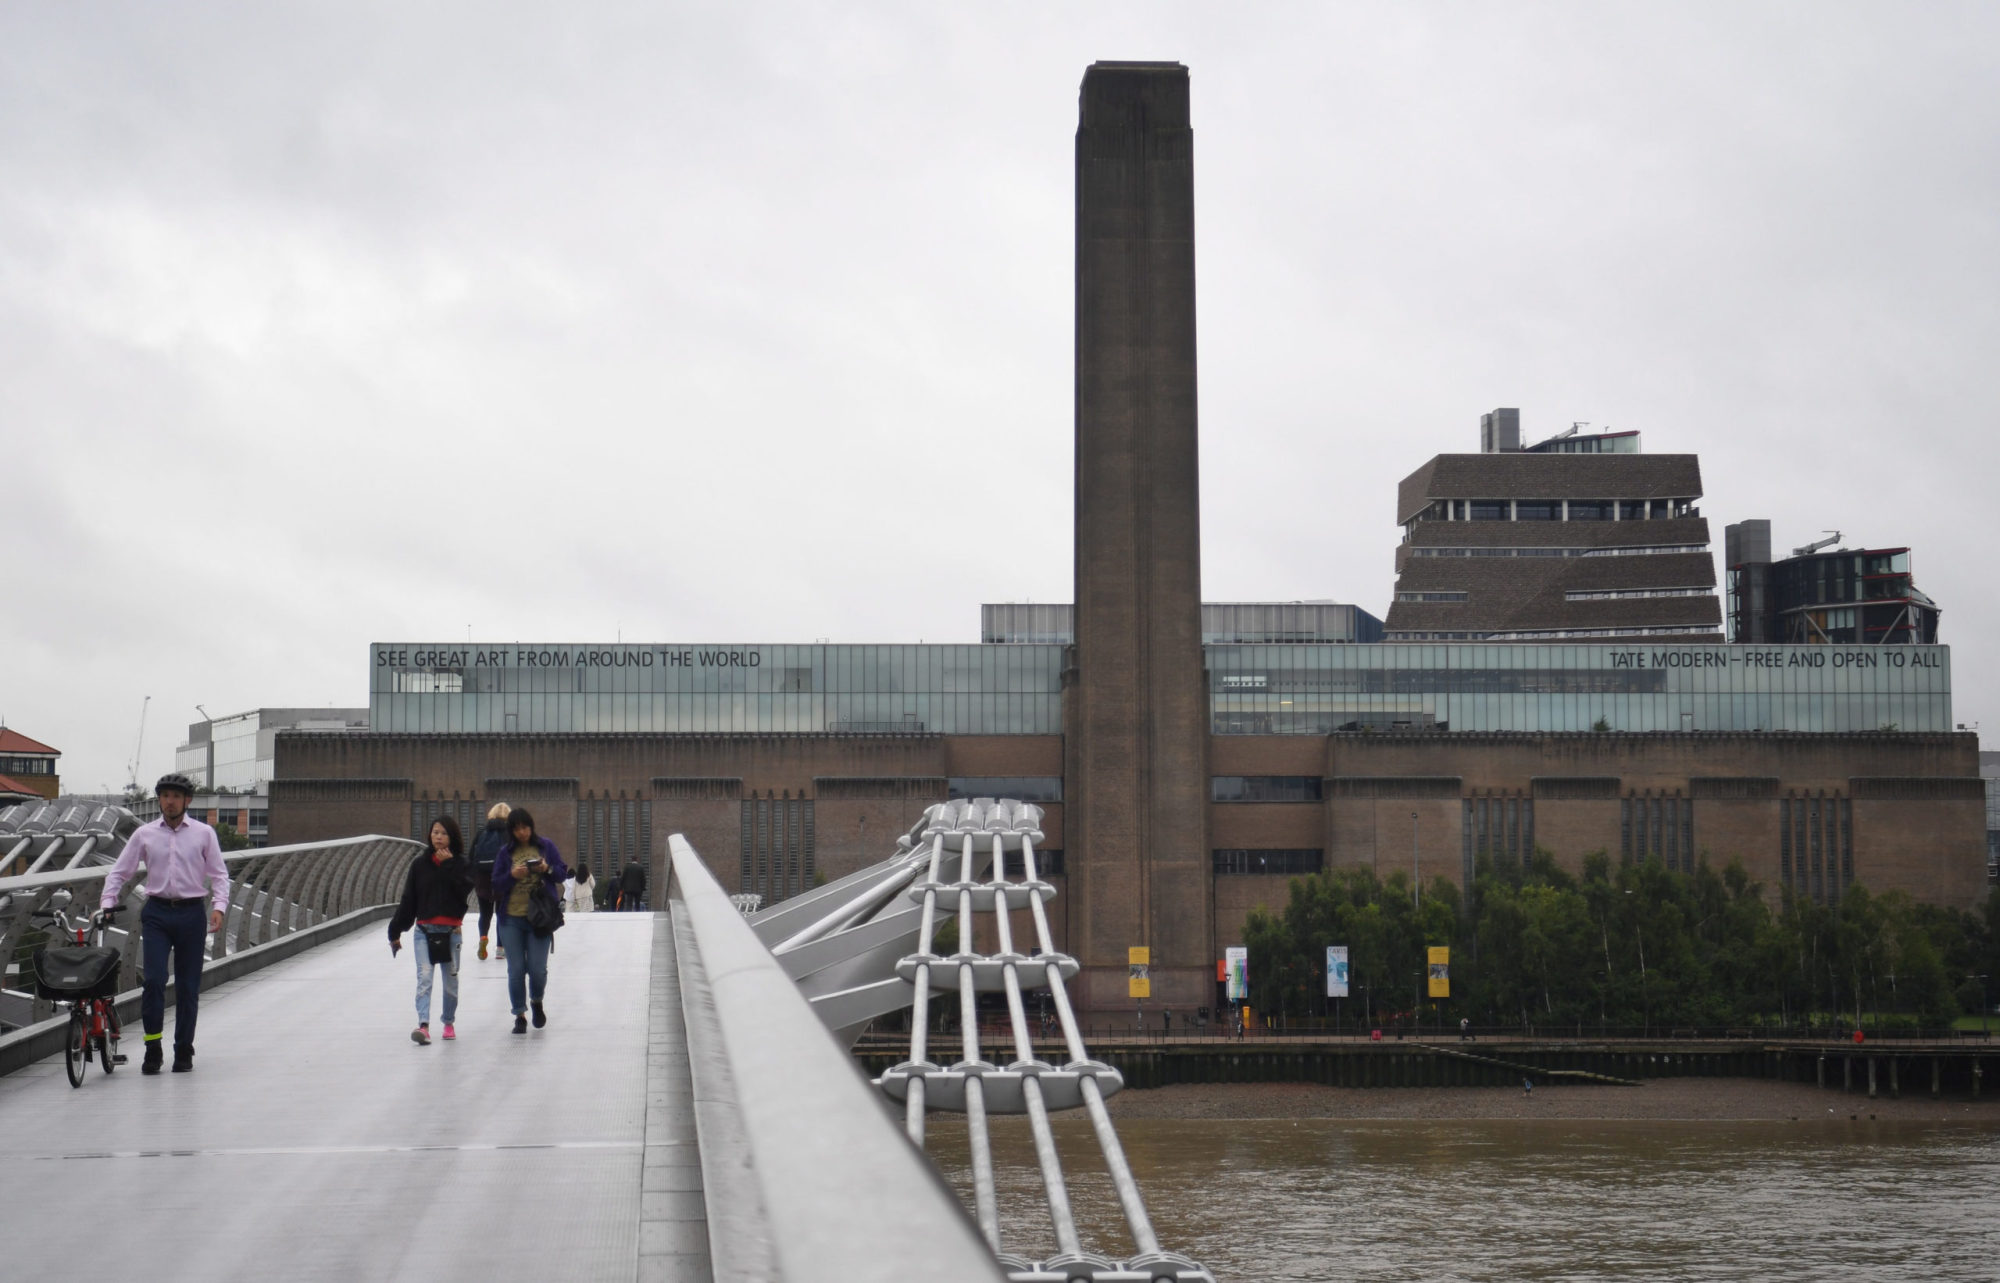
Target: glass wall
(1306,689)
(1311,690)
(953,690)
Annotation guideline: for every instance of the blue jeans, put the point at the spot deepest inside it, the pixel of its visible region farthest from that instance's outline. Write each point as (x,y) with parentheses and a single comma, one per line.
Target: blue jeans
(182,929)
(527,962)
(422,949)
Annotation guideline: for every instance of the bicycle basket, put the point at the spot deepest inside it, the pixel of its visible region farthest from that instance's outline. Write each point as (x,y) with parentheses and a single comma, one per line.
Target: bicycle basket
(76,971)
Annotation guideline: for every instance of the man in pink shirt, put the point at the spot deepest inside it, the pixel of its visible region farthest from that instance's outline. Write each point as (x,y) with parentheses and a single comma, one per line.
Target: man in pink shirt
(183,866)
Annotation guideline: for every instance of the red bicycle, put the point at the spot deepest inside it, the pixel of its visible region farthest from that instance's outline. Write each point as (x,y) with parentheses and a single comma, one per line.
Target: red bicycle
(84,976)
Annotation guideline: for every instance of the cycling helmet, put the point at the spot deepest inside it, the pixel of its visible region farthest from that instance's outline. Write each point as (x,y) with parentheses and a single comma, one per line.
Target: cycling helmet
(174,780)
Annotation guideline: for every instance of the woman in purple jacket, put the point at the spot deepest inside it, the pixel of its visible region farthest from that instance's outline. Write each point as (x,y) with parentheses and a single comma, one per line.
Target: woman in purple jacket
(532,868)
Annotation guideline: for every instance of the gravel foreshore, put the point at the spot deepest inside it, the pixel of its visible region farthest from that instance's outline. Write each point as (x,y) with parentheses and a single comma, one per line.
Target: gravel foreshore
(1691,1099)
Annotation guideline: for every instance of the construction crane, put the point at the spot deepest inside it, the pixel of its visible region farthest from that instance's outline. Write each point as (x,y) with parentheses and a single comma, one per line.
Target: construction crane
(132,768)
(1832,538)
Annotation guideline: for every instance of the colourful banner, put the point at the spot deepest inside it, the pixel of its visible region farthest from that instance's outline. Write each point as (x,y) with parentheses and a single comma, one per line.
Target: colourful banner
(1138,982)
(1440,971)
(1238,958)
(1336,971)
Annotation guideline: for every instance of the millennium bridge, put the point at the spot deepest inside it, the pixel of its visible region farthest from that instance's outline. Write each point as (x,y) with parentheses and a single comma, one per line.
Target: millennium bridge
(691,1113)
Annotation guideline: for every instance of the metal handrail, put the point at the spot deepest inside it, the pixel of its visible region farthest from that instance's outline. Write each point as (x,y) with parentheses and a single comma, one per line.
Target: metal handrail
(274,892)
(814,1183)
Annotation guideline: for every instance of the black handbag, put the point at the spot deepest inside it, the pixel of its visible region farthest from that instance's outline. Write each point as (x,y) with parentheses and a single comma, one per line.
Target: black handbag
(439,944)
(545,914)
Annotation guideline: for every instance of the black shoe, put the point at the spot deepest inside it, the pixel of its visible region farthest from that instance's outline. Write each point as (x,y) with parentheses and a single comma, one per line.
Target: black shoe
(183,1059)
(151,1063)
(541,1017)
(520,1024)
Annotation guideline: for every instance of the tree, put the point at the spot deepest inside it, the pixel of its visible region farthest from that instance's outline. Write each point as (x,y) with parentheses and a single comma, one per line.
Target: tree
(229,838)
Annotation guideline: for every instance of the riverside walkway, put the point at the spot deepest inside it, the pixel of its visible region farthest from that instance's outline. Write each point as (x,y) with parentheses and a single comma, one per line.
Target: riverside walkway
(315,1141)
(691,1113)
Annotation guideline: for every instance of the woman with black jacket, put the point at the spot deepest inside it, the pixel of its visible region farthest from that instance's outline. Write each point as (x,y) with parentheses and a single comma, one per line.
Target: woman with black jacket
(434,902)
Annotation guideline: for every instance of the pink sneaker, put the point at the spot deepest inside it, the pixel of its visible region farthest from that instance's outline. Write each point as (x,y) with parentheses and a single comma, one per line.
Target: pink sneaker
(449,1033)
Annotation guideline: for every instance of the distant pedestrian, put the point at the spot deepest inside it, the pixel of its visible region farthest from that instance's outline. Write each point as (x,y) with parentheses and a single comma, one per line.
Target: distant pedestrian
(531,868)
(1465,1029)
(184,867)
(490,844)
(583,891)
(434,895)
(1166,1021)
(1527,1086)
(632,887)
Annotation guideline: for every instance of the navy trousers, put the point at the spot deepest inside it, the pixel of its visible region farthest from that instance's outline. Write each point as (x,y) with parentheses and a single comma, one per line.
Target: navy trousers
(181,928)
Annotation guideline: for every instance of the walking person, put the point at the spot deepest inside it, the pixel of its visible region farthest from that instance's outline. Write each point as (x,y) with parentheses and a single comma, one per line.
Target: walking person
(632,887)
(489,845)
(183,869)
(583,891)
(434,902)
(532,868)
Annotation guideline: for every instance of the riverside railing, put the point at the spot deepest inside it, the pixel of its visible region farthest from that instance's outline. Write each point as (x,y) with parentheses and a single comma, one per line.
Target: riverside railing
(276,892)
(802,1175)
(866,946)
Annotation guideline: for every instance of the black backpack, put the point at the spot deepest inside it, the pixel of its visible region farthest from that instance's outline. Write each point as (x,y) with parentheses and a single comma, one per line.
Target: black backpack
(487,848)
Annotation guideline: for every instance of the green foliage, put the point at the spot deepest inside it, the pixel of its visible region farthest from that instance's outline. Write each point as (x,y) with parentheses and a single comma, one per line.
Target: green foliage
(1637,945)
(229,839)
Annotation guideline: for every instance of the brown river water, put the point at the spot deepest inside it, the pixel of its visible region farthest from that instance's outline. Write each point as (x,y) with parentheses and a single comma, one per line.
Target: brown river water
(1332,1199)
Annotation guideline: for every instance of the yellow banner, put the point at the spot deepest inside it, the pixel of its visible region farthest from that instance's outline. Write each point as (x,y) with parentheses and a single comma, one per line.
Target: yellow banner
(1440,971)
(1137,963)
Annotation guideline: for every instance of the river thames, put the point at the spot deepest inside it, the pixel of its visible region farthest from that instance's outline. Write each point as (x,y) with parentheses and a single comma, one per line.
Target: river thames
(1314,1199)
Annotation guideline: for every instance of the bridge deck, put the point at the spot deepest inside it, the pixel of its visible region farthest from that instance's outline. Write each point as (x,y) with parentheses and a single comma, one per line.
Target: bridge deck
(315,1141)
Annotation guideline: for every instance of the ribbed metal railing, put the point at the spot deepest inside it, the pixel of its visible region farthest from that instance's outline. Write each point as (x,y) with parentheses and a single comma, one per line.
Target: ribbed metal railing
(802,1176)
(974,848)
(274,892)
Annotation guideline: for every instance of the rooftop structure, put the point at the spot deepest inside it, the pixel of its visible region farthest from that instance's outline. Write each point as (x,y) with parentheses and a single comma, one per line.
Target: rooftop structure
(1018,689)
(27,767)
(1553,544)
(1822,594)
(1015,623)
(233,753)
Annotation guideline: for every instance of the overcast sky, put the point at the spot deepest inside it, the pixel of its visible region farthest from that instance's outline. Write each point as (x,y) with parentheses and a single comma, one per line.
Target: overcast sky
(328,324)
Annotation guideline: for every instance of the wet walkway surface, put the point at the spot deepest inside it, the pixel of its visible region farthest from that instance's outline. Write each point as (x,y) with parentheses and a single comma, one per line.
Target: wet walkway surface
(316,1141)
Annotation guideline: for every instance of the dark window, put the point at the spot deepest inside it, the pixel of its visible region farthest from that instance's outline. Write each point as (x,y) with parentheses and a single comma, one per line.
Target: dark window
(1537,509)
(1022,788)
(1631,509)
(777,843)
(1590,510)
(1264,788)
(1048,864)
(1846,843)
(1489,510)
(1818,875)
(1785,843)
(1625,830)
(1292,861)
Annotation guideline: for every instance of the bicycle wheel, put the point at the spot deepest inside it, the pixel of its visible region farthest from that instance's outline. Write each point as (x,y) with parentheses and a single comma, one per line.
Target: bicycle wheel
(77,1045)
(107,1042)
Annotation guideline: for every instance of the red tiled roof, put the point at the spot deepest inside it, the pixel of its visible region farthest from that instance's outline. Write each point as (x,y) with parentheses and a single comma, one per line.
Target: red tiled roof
(12,741)
(8,784)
